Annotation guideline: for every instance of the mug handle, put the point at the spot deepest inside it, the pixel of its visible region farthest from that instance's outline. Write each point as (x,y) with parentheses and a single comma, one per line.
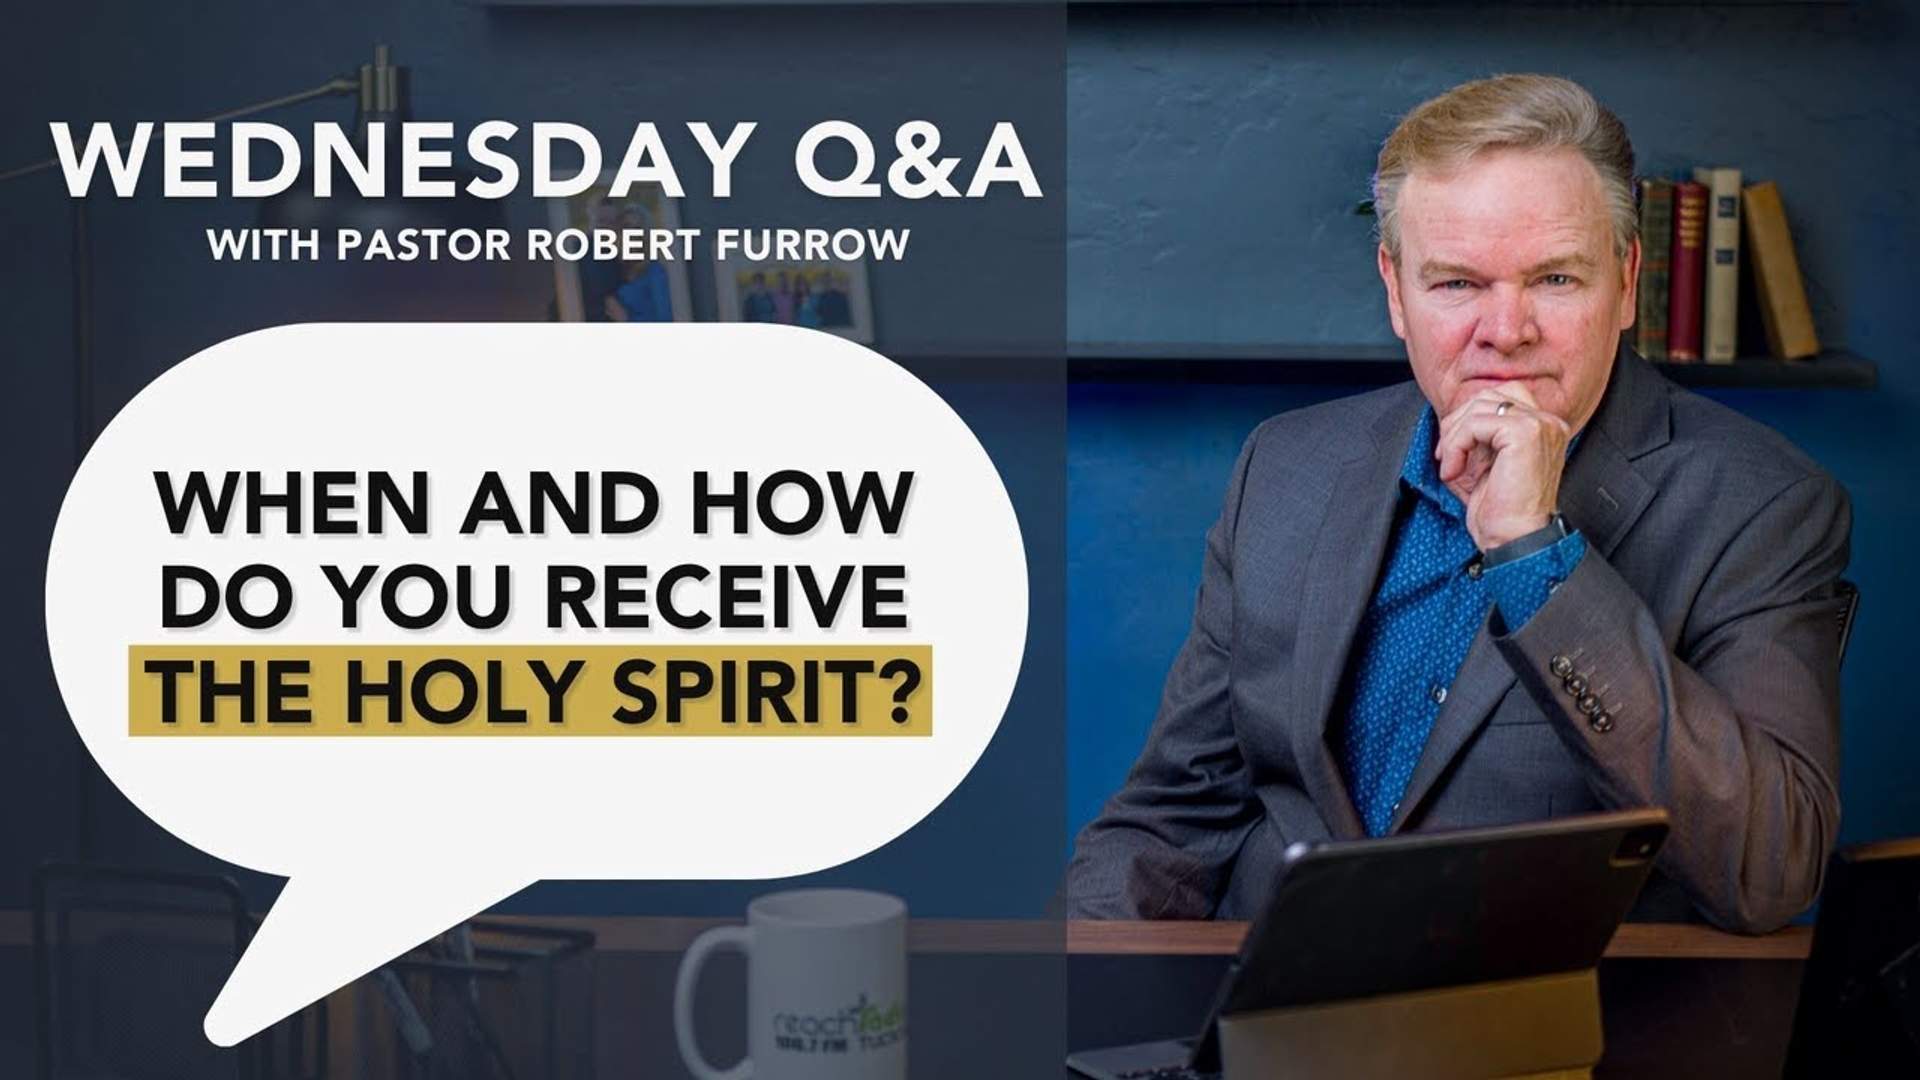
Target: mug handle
(720,937)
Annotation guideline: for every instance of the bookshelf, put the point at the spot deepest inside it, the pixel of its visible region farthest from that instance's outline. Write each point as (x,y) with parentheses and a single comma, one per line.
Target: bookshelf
(1547,4)
(1833,369)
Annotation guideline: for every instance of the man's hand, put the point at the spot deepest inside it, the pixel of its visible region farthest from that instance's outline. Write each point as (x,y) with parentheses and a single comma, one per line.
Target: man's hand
(1502,456)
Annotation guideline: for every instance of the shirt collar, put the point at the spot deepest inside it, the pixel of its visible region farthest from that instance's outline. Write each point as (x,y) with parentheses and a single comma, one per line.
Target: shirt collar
(1421,473)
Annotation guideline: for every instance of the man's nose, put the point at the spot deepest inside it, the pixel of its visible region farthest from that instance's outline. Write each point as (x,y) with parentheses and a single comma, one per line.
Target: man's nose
(1507,323)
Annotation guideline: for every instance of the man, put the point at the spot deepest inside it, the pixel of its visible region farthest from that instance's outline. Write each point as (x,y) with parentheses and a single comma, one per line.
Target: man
(834,307)
(1538,580)
(757,304)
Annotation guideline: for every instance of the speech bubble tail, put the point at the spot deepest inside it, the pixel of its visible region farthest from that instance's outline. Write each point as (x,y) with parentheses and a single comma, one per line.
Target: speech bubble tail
(326,931)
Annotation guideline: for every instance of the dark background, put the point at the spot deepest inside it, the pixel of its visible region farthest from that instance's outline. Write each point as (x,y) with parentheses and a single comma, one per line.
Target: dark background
(1201,162)
(979,275)
(87,325)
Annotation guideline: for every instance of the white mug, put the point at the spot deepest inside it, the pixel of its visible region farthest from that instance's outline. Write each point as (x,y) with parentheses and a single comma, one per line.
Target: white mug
(826,988)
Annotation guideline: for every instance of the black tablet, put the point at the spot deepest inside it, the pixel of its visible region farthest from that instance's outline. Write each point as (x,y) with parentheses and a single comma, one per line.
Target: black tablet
(1353,919)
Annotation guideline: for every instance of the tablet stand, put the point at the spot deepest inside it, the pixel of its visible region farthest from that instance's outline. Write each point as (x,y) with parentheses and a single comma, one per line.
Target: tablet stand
(1534,1028)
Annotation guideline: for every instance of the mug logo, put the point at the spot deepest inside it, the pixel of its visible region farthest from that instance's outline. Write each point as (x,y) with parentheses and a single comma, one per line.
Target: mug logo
(857,1028)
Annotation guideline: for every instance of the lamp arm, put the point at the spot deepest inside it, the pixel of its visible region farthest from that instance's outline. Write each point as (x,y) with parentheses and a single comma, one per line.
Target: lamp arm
(338,85)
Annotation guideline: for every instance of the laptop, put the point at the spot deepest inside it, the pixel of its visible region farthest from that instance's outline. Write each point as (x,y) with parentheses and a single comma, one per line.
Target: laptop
(1354,919)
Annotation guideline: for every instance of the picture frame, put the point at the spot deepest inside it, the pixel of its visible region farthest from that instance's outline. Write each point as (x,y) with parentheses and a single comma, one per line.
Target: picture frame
(825,294)
(591,290)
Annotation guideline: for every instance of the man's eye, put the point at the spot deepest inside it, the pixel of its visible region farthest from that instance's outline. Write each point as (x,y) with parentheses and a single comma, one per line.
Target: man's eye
(1456,284)
(1557,280)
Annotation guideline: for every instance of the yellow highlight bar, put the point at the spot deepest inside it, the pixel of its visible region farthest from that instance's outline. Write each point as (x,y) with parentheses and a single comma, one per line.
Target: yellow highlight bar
(620,690)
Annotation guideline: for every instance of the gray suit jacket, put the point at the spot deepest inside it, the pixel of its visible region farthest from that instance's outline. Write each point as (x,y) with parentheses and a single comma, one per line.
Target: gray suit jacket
(1703,618)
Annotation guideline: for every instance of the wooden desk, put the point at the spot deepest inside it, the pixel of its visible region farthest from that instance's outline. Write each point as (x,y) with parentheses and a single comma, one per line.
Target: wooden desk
(1010,998)
(1680,1001)
(1684,1001)
(1634,941)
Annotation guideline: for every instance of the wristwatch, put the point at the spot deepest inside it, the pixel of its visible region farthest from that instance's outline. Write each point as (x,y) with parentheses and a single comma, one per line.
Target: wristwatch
(1555,530)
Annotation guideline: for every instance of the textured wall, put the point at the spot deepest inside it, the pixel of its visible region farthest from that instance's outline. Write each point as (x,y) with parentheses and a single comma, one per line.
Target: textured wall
(1215,157)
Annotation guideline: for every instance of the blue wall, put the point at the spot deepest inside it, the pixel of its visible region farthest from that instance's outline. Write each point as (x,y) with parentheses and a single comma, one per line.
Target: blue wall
(1215,156)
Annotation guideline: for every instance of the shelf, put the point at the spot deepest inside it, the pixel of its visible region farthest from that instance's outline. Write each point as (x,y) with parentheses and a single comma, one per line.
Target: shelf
(547,4)
(1378,365)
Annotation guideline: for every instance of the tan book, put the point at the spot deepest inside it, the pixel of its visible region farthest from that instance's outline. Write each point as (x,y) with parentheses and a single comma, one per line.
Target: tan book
(1721,293)
(1781,293)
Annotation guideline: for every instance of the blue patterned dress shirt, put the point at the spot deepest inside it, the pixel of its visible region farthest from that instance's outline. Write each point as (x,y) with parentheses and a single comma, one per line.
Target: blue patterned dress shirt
(1434,593)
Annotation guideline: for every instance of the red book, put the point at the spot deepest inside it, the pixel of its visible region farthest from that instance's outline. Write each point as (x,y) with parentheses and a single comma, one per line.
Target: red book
(1688,269)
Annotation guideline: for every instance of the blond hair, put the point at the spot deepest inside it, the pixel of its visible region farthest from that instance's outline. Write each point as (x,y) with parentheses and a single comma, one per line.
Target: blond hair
(1524,112)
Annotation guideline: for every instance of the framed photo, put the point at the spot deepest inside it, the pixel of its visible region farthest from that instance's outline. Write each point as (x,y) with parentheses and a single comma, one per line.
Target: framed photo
(829,295)
(619,291)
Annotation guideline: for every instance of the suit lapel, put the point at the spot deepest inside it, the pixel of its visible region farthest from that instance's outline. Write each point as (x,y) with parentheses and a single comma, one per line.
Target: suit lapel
(1601,494)
(1341,574)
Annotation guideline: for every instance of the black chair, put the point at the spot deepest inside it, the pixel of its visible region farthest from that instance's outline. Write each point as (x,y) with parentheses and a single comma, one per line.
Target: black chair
(1849,595)
(126,963)
(493,999)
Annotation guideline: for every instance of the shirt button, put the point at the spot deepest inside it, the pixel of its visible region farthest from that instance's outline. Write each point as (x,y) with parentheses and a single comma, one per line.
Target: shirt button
(1475,569)
(1439,695)
(1560,666)
(1553,584)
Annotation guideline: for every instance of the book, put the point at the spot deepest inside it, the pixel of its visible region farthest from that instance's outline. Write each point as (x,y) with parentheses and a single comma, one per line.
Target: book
(1720,293)
(1687,270)
(1656,248)
(1778,288)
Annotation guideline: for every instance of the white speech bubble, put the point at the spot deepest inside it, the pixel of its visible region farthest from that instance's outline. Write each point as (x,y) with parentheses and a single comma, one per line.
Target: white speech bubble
(388,841)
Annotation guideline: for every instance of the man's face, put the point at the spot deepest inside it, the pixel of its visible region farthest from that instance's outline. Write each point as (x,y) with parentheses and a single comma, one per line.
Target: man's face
(1507,276)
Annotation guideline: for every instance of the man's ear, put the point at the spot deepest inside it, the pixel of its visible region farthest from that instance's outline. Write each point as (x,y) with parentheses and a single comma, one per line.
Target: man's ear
(1390,277)
(1630,288)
